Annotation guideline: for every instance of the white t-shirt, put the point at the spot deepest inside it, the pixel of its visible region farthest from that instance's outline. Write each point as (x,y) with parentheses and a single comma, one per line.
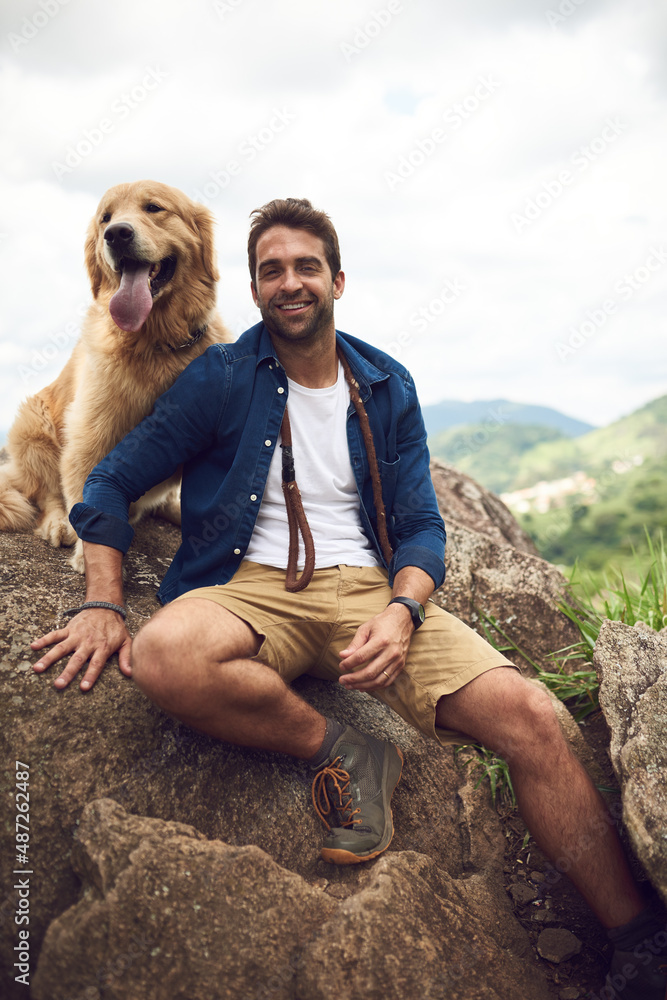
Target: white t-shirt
(324,475)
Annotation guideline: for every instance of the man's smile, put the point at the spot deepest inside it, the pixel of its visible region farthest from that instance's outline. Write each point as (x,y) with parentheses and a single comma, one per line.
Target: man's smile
(293,306)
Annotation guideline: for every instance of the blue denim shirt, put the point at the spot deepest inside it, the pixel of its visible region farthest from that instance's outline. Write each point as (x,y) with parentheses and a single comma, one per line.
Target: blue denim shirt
(221,421)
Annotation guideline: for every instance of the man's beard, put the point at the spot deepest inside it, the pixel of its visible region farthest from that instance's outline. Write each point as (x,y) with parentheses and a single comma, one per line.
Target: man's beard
(319,320)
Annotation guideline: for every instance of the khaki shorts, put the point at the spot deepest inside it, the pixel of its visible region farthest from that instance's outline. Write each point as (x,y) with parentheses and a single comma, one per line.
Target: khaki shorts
(304,632)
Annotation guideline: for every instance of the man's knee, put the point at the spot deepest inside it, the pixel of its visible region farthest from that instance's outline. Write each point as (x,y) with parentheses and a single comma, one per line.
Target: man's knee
(152,650)
(533,728)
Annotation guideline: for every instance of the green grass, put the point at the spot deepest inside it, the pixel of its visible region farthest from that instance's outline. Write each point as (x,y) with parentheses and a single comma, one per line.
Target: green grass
(587,603)
(495,769)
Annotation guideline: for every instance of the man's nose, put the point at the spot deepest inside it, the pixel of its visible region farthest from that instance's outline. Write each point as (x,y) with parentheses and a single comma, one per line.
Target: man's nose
(291,281)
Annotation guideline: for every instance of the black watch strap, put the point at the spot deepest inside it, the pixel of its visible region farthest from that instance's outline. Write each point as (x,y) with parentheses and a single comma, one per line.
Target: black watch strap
(416,609)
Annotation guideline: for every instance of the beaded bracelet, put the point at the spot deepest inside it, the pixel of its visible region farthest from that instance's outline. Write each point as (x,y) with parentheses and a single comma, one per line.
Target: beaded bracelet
(98,604)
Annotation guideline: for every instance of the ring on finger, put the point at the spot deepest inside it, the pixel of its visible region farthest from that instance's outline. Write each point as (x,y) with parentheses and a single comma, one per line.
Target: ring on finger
(386,675)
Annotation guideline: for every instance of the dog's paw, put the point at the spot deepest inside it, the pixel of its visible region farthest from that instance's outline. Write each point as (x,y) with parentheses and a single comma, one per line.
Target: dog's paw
(56,529)
(76,559)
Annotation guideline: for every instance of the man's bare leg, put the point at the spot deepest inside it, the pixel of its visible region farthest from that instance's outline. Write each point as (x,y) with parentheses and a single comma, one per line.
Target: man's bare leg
(557,800)
(192,659)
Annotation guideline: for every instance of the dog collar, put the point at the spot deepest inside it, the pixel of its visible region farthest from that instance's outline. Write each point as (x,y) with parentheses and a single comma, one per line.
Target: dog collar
(194,337)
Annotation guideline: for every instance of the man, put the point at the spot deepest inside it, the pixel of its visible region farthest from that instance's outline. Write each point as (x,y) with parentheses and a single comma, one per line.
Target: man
(238,624)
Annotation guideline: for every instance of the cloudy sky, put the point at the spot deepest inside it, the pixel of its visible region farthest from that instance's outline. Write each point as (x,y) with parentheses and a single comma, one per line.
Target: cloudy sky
(495,170)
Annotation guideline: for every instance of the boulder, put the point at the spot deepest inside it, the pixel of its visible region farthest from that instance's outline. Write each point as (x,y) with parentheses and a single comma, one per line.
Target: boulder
(494,572)
(632,668)
(111,743)
(166,914)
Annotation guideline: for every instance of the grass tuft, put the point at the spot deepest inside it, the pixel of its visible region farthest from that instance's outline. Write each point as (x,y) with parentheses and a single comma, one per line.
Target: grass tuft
(587,604)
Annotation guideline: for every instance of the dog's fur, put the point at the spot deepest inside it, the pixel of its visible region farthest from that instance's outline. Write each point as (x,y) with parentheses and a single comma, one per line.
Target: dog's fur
(114,375)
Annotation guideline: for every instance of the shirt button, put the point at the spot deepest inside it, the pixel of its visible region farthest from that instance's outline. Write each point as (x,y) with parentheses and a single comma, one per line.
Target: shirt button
(253,496)
(267,443)
(280,389)
(237,552)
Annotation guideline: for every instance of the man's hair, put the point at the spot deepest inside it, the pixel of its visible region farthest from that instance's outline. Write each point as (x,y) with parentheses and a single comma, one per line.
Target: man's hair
(295,213)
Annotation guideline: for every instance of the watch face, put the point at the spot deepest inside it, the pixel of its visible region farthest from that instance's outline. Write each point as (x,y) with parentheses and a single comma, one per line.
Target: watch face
(421,613)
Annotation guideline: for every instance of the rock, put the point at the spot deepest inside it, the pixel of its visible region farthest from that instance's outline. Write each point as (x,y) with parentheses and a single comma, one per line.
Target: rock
(467,504)
(569,993)
(494,572)
(522,893)
(112,743)
(557,944)
(165,913)
(632,669)
(384,939)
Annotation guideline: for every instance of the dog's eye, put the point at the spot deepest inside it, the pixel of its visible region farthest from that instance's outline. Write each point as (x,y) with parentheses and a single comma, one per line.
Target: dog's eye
(152,207)
(106,216)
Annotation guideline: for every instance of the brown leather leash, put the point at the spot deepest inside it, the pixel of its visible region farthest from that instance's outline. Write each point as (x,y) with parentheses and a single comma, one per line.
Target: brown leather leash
(296,516)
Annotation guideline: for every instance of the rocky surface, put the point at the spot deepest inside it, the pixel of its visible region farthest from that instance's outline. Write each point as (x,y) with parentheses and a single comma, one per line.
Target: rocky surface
(493,572)
(165,913)
(632,669)
(94,867)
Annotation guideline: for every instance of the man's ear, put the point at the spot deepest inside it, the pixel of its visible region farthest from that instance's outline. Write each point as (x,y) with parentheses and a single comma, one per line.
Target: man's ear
(253,292)
(339,285)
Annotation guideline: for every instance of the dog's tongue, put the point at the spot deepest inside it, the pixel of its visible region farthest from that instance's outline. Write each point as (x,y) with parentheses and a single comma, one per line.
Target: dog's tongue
(132,303)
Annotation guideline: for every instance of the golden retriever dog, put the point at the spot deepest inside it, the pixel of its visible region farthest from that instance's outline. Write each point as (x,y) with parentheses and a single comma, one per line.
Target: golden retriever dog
(150,257)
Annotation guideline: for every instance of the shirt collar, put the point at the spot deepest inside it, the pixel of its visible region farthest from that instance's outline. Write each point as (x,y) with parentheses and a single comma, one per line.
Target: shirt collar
(363,368)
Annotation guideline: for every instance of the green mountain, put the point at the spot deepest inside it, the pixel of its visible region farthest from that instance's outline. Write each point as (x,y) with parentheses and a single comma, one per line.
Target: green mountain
(596,518)
(492,413)
(494,456)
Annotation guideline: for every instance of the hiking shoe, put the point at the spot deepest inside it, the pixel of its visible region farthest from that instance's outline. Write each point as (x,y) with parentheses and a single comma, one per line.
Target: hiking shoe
(352,795)
(637,975)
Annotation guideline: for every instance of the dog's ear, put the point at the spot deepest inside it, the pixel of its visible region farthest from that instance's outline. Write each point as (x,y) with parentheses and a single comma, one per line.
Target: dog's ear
(203,224)
(95,272)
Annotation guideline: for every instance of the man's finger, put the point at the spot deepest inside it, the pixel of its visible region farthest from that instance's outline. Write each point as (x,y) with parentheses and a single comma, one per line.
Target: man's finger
(124,657)
(53,655)
(76,661)
(94,670)
(48,640)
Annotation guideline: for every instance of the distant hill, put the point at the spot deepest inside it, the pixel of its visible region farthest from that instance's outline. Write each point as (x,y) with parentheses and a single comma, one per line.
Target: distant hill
(596,527)
(496,412)
(494,454)
(513,455)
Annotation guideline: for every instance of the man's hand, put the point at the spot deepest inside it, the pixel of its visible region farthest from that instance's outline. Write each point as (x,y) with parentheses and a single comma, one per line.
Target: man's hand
(377,654)
(93,635)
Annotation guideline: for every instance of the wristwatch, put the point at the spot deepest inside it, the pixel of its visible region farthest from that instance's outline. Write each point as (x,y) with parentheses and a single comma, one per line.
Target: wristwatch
(416,609)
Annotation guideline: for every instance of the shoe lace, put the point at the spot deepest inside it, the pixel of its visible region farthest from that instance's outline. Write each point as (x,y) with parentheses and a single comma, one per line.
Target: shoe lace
(334,780)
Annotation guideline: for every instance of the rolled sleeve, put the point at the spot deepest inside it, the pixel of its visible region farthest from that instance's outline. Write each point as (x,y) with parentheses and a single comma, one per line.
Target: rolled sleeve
(422,556)
(93,525)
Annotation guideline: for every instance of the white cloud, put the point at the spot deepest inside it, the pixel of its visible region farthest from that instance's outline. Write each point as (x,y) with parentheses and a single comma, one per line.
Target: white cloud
(219,75)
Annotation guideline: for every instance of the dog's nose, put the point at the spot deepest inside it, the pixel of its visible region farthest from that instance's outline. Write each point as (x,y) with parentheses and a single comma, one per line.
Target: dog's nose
(119,235)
